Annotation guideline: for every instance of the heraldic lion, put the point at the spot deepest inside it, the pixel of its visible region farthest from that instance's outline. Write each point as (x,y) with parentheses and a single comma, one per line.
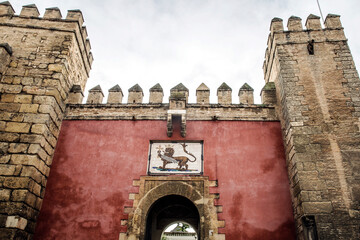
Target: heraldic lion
(168,157)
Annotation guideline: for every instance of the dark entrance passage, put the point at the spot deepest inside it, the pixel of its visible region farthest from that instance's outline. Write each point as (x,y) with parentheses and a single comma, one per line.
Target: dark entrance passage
(170,209)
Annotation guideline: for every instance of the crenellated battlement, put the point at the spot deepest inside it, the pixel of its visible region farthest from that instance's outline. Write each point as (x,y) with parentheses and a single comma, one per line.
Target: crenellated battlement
(156,93)
(52,20)
(296,34)
(155,109)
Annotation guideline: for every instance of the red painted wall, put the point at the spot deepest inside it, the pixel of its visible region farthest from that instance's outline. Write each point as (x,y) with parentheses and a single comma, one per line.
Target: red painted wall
(95,163)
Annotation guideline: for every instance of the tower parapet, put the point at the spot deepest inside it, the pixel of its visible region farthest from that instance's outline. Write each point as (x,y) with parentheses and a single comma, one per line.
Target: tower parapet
(313,22)
(29,11)
(52,13)
(268,93)
(181,89)
(76,95)
(95,95)
(156,94)
(224,94)
(246,94)
(203,94)
(6,8)
(136,94)
(294,24)
(317,96)
(115,94)
(49,57)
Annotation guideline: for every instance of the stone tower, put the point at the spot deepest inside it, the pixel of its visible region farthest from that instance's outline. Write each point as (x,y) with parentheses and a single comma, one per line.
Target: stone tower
(41,59)
(318,99)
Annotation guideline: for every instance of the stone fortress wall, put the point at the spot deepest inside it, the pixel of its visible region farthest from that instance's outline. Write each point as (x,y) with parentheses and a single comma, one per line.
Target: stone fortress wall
(41,58)
(311,87)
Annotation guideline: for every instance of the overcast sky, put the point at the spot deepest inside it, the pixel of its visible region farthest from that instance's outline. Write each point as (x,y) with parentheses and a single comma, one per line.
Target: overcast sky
(189,41)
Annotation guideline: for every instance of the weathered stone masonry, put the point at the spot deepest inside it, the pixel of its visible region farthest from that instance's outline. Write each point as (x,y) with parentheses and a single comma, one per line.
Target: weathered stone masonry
(317,89)
(312,88)
(40,60)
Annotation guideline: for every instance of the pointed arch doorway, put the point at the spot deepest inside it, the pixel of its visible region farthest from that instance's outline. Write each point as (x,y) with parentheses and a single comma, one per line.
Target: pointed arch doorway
(170,209)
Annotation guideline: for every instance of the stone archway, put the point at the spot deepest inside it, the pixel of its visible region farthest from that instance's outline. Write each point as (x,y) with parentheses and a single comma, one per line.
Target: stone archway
(167,210)
(194,189)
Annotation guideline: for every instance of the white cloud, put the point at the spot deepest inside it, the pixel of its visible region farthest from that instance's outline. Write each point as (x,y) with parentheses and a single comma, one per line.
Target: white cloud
(188,41)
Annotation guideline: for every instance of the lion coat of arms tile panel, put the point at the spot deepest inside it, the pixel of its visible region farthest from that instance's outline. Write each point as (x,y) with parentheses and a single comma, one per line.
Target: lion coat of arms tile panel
(175,157)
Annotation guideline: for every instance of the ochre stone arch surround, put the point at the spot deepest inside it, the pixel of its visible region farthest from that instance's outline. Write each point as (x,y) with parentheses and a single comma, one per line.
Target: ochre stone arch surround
(196,189)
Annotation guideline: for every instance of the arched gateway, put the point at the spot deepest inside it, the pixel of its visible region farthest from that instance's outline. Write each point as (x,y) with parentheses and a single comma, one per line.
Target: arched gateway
(167,210)
(160,202)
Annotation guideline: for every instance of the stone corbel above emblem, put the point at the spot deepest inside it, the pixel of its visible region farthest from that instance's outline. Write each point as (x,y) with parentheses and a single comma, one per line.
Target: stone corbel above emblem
(171,115)
(177,108)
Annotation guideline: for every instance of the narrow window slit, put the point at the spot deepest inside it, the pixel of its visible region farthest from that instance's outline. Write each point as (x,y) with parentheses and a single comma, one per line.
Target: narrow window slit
(310,47)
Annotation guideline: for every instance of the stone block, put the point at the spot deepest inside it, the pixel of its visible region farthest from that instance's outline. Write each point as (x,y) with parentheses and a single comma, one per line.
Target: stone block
(50,110)
(17,182)
(37,149)
(7,170)
(9,137)
(36,189)
(16,127)
(317,207)
(19,195)
(24,159)
(4,148)
(5,194)
(15,117)
(56,94)
(29,108)
(9,107)
(23,98)
(7,97)
(38,203)
(36,118)
(7,88)
(16,222)
(55,67)
(39,128)
(32,138)
(34,90)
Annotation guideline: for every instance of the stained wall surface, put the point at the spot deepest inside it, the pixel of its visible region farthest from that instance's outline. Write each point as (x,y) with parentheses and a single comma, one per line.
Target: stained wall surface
(96,162)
